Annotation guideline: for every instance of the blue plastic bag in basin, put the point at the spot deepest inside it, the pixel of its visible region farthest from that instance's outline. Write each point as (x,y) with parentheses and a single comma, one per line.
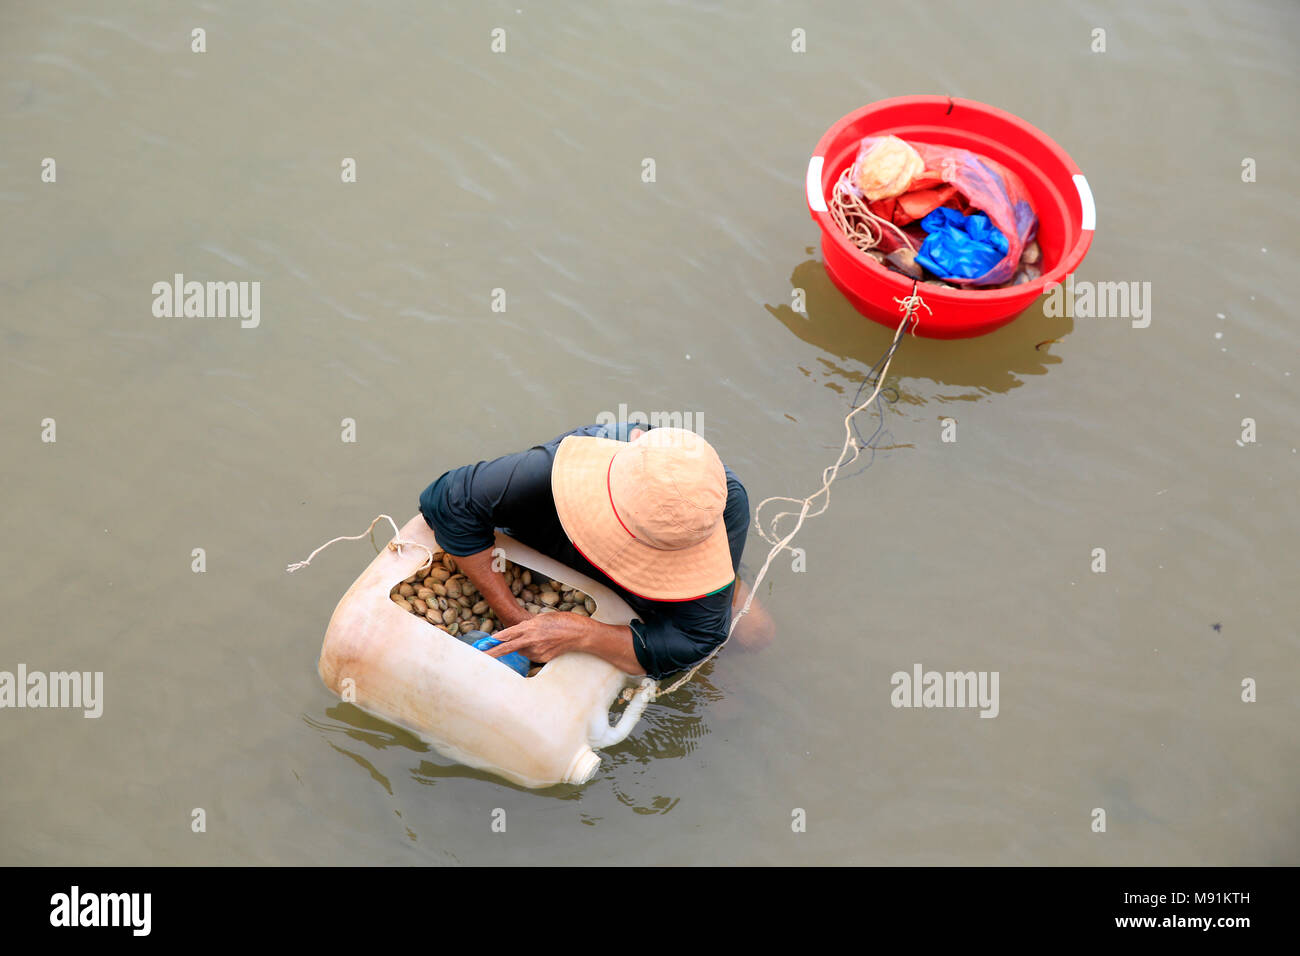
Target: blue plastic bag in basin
(960,247)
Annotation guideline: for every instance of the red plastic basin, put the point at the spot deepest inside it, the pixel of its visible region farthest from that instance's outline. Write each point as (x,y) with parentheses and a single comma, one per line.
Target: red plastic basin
(1058,190)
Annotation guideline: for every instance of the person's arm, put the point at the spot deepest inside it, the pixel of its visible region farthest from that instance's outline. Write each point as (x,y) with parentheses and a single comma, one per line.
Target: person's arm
(755,630)
(466,505)
(492,585)
(543,637)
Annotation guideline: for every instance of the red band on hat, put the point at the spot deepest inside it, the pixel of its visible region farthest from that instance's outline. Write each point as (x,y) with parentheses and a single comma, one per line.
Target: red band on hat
(610,491)
(638,594)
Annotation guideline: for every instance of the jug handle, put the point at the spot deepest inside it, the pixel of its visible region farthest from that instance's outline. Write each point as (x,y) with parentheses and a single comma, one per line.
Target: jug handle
(605,734)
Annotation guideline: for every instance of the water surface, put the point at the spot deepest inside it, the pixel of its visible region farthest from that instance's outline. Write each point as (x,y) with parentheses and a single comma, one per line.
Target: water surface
(522,171)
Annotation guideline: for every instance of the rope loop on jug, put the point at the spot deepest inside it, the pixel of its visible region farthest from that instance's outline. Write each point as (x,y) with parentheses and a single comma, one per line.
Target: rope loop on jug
(908,304)
(396,544)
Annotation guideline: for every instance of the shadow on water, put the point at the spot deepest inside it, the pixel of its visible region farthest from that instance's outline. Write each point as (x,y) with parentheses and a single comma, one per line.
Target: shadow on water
(997,362)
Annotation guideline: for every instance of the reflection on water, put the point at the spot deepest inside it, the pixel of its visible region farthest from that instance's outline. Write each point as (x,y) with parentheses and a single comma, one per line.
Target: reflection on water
(998,362)
(372,732)
(668,730)
(355,724)
(671,729)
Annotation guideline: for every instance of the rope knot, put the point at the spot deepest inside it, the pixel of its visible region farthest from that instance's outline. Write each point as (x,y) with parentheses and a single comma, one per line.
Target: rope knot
(908,305)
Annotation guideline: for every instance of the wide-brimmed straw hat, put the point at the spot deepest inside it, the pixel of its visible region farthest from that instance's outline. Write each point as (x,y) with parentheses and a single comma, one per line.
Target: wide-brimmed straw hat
(647,513)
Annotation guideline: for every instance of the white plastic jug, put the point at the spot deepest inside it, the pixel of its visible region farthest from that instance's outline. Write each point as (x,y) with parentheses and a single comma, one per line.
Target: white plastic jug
(536,731)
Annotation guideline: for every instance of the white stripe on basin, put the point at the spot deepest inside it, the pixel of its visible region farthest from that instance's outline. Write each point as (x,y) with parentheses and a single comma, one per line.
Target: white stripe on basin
(813,185)
(1085,200)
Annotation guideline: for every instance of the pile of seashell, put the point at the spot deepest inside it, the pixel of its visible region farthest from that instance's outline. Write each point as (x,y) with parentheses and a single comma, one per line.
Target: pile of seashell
(449,601)
(904,261)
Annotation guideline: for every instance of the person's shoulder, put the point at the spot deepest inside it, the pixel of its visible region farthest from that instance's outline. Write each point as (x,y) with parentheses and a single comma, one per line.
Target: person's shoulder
(735,487)
(534,460)
(583,431)
(735,514)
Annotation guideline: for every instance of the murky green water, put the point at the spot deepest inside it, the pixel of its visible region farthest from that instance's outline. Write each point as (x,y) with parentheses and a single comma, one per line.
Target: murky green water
(521,171)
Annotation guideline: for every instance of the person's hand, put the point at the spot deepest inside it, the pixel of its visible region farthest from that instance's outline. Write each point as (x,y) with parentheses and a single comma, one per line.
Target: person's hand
(541,638)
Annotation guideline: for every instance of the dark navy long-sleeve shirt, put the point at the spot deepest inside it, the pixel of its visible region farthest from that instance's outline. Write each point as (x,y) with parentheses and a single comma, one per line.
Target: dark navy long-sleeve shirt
(466,505)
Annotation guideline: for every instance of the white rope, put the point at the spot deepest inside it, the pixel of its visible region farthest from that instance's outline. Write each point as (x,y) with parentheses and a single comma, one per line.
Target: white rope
(909,305)
(394,545)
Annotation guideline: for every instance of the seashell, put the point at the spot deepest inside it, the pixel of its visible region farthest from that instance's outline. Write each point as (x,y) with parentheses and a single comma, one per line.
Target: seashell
(565,606)
(450,615)
(579,610)
(487,625)
(439,574)
(550,598)
(481,608)
(904,261)
(1031,254)
(527,577)
(405,590)
(590,605)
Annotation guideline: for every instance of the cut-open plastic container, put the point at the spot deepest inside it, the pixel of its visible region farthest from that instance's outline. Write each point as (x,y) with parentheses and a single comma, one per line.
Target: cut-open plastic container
(535,731)
(1057,188)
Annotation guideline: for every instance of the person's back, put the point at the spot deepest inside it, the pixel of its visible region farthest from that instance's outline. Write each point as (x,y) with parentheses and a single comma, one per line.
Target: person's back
(658,518)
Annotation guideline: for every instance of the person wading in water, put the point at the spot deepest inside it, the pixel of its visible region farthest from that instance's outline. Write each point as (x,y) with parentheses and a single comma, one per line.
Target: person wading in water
(652,513)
